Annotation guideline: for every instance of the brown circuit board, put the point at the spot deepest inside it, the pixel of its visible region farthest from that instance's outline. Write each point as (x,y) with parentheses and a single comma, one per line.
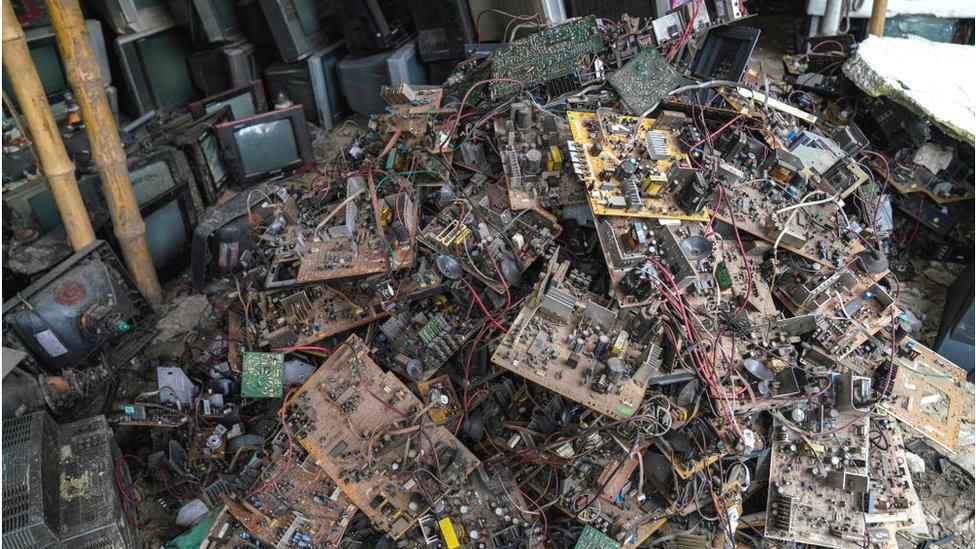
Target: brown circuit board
(481,218)
(489,512)
(707,268)
(307,316)
(364,242)
(847,306)
(757,207)
(624,167)
(371,435)
(533,150)
(565,340)
(927,394)
(892,503)
(426,332)
(294,500)
(817,483)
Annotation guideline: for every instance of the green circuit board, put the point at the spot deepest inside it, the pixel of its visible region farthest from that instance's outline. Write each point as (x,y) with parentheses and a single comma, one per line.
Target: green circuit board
(645,80)
(263,375)
(546,55)
(591,538)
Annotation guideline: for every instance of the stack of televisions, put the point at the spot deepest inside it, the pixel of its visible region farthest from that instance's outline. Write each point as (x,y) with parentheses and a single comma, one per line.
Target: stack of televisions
(247,56)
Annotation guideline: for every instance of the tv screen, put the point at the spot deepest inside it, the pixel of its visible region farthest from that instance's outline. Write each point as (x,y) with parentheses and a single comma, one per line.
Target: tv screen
(166,233)
(240,105)
(267,147)
(49,69)
(163,58)
(211,151)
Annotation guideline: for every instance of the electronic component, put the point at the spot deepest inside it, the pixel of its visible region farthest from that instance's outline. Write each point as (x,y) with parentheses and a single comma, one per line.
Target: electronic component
(360,424)
(626,163)
(569,343)
(262,374)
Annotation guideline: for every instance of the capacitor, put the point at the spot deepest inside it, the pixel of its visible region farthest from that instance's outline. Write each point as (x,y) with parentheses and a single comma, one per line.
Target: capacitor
(617,370)
(797,415)
(578,344)
(522,115)
(601,346)
(533,161)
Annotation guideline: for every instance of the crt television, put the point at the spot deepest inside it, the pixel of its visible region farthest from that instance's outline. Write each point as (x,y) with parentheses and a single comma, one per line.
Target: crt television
(295,27)
(199,143)
(313,83)
(210,21)
(266,145)
(243,101)
(154,64)
(130,16)
(50,68)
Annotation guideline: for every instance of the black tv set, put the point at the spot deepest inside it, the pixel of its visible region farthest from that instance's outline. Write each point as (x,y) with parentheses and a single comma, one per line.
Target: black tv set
(243,101)
(265,145)
(371,26)
(229,66)
(43,47)
(83,304)
(443,28)
(199,144)
(161,184)
(313,82)
(155,67)
(210,21)
(295,27)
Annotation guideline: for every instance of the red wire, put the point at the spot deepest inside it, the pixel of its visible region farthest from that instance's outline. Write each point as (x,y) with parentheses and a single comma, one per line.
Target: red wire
(288,452)
(484,309)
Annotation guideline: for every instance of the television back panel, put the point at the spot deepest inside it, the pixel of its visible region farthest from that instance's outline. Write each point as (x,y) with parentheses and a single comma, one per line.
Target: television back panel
(361,78)
(443,28)
(31,491)
(91,509)
(371,26)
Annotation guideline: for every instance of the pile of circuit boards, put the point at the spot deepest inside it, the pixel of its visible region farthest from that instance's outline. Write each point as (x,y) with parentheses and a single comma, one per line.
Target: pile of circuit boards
(604,288)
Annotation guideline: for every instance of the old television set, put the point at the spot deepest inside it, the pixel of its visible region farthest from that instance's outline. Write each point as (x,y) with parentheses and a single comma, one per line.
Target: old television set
(161,183)
(50,68)
(372,26)
(155,67)
(31,13)
(132,16)
(313,83)
(443,28)
(199,144)
(295,27)
(84,303)
(229,66)
(243,101)
(210,21)
(265,145)
(33,203)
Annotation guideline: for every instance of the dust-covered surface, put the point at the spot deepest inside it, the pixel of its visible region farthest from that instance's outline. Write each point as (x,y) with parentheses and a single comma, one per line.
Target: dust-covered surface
(932,79)
(947,494)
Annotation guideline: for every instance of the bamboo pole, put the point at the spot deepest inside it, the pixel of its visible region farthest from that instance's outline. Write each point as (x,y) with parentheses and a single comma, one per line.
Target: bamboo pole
(86,82)
(57,168)
(879,11)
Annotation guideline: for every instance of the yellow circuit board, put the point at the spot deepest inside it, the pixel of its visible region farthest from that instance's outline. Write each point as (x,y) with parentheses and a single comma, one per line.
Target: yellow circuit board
(614,132)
